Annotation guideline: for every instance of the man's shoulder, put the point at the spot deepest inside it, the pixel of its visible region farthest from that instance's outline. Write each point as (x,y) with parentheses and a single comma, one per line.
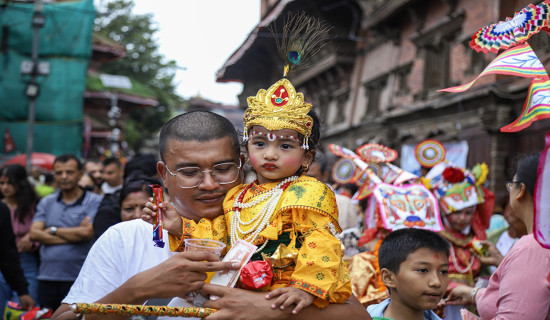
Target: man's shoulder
(52,197)
(92,197)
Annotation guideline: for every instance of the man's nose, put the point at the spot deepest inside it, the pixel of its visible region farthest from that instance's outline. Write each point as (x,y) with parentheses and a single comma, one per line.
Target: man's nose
(208,182)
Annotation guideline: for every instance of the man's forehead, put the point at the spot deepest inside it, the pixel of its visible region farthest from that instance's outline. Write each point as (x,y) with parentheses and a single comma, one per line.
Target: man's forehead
(194,151)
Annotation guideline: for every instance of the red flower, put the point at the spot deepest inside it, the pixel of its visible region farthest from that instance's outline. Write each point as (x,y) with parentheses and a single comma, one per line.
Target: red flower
(453,175)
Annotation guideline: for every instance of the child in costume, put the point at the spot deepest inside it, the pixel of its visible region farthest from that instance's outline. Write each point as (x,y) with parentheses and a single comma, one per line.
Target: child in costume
(467,208)
(291,217)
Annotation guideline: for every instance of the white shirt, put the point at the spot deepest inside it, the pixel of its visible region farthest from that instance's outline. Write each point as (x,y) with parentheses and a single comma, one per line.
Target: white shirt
(123,251)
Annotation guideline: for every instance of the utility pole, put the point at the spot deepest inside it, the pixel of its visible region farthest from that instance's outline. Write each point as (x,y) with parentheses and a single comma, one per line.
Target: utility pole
(32,89)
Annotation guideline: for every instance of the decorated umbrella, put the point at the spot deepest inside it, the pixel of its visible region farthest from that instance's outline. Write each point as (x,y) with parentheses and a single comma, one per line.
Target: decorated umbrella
(43,160)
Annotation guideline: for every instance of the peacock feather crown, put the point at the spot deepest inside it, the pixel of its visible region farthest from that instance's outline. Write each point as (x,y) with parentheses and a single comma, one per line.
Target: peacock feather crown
(281,107)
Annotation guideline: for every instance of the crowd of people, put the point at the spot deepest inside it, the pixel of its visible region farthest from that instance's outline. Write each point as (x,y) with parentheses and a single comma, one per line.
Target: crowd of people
(382,243)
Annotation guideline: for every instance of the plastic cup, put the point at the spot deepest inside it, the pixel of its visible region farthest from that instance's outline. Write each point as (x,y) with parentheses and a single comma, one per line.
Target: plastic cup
(207,245)
(212,246)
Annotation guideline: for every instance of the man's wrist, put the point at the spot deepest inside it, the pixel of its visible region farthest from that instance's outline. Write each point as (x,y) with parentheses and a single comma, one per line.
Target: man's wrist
(53,230)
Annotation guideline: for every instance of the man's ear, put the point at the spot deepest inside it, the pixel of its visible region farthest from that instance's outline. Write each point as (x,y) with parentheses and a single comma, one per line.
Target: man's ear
(388,277)
(161,169)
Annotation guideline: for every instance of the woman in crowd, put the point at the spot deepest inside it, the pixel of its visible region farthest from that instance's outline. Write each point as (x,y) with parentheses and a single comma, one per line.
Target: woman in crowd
(19,196)
(520,287)
(135,192)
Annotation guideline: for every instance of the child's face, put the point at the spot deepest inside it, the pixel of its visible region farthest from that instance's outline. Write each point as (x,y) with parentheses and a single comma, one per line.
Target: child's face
(421,280)
(461,219)
(275,155)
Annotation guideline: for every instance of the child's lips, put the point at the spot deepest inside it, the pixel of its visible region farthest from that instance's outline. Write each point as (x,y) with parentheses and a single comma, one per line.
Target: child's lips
(434,295)
(269,166)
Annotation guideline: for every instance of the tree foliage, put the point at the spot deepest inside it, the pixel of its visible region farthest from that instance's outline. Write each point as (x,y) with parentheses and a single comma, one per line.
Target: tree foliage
(143,63)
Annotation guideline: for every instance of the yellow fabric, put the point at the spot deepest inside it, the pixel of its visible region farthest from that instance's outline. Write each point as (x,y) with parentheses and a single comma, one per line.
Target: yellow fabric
(307,207)
(204,229)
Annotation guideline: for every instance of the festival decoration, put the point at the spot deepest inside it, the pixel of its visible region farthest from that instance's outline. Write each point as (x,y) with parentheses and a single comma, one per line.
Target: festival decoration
(408,206)
(128,309)
(541,227)
(343,170)
(429,153)
(456,188)
(372,152)
(518,61)
(513,31)
(535,107)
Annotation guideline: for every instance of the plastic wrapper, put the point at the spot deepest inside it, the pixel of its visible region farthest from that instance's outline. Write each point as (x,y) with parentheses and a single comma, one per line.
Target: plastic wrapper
(256,275)
(157,227)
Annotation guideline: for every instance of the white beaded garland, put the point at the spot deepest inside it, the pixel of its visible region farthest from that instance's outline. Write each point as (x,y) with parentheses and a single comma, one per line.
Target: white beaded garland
(260,220)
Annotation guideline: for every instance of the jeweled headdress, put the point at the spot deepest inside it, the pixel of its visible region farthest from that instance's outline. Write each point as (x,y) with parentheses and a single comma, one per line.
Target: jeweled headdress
(281,107)
(457,188)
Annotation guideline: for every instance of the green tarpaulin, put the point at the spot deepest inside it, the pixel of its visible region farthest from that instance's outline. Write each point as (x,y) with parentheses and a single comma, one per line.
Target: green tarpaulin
(66,44)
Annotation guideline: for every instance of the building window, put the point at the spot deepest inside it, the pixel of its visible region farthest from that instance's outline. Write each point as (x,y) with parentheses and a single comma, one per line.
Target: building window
(374,91)
(433,46)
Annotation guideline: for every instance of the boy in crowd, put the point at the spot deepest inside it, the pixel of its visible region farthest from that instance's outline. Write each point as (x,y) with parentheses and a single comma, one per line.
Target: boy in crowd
(414,266)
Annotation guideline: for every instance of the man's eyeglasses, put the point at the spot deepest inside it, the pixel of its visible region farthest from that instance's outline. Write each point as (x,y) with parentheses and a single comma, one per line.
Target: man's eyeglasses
(191,177)
(509,185)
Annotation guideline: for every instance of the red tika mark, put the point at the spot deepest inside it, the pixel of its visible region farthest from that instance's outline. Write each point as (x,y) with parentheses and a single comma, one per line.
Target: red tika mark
(548,278)
(280,96)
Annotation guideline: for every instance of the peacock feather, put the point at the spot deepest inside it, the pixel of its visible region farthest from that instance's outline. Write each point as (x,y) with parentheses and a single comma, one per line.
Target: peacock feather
(303,36)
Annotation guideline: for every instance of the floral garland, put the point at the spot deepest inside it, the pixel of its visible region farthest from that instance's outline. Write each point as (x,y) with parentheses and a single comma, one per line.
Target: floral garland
(379,283)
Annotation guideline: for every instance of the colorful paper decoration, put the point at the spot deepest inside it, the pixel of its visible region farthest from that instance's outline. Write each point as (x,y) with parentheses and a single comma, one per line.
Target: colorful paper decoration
(373,152)
(429,153)
(343,171)
(513,31)
(541,227)
(535,107)
(518,61)
(408,206)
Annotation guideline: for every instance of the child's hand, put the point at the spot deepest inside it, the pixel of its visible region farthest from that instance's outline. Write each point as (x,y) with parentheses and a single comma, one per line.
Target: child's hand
(494,257)
(289,296)
(171,219)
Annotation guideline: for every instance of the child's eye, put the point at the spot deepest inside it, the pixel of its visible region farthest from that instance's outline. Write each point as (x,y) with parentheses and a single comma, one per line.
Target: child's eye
(444,272)
(259,144)
(286,146)
(423,270)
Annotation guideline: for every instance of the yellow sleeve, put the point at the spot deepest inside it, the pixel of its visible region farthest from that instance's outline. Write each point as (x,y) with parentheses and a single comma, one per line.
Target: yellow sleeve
(320,269)
(204,229)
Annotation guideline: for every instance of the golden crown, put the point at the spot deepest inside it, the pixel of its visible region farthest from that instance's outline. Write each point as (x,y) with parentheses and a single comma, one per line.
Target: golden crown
(280,107)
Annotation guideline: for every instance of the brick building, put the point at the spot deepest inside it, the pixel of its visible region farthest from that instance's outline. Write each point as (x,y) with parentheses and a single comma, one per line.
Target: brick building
(377,81)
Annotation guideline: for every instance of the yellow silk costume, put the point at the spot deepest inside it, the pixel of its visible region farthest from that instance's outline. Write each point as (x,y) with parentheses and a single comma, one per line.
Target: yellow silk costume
(306,211)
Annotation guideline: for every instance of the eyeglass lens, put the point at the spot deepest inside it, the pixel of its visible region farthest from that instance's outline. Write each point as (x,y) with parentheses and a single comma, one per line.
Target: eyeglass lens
(222,173)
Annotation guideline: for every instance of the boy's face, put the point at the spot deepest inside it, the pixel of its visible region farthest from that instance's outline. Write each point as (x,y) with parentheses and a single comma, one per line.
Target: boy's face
(421,280)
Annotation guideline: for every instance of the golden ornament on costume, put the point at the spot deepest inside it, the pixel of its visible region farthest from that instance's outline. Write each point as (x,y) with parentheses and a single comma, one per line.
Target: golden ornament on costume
(281,258)
(280,107)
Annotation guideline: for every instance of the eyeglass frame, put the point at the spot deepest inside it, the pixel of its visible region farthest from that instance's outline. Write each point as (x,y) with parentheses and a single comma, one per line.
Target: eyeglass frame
(202,173)
(509,185)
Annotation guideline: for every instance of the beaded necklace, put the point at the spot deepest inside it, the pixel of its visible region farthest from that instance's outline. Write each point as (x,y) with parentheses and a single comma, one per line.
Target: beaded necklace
(455,263)
(260,220)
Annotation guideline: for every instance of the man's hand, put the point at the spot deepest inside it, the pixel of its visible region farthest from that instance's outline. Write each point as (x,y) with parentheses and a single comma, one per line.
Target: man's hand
(27,302)
(183,273)
(237,304)
(171,219)
(285,297)
(240,304)
(494,258)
